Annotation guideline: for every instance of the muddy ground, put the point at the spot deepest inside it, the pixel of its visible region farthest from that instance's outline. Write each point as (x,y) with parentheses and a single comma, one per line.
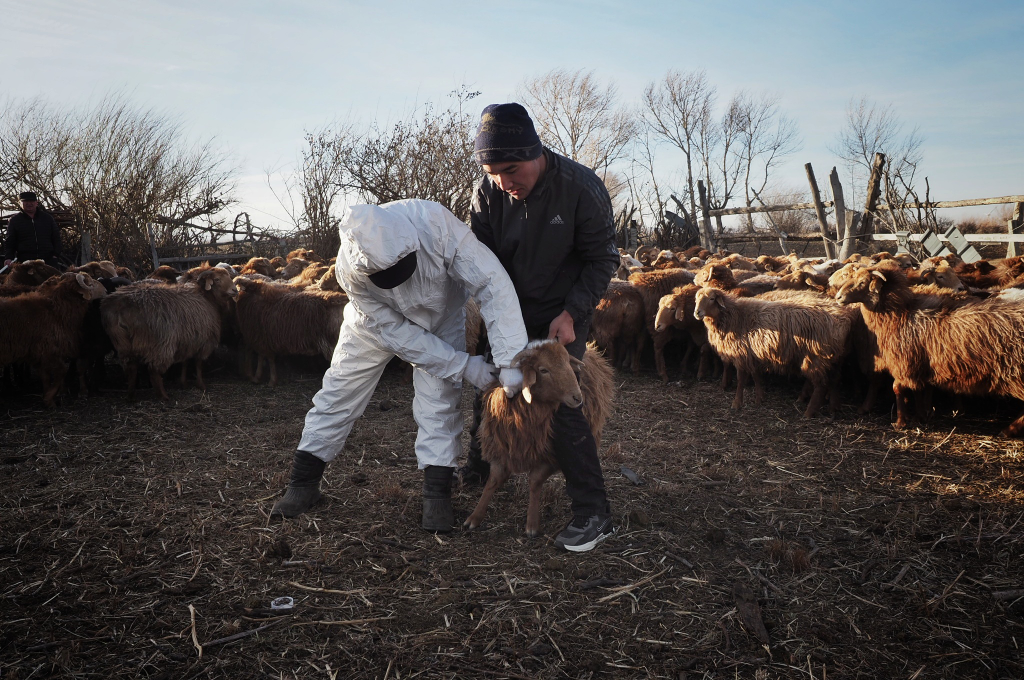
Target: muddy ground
(135,542)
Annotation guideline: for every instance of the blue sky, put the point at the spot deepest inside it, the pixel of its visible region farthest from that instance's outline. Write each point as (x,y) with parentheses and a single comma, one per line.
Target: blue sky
(255,75)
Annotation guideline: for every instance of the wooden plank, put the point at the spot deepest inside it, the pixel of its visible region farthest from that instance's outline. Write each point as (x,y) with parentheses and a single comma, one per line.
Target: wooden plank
(999,200)
(204,258)
(744,210)
(819,210)
(973,238)
(152,247)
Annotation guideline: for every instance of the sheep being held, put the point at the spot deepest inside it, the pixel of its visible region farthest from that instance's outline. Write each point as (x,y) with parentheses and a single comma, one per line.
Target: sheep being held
(515,434)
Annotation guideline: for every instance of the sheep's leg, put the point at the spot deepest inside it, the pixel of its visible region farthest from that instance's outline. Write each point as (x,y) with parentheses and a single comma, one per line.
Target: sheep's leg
(538,476)
(833,391)
(272,360)
(131,372)
(258,375)
(245,355)
(1014,429)
(874,385)
(923,403)
(157,378)
(902,393)
(200,383)
(638,349)
(741,383)
(184,373)
(705,360)
(497,478)
(758,386)
(816,400)
(685,363)
(53,377)
(660,340)
(726,374)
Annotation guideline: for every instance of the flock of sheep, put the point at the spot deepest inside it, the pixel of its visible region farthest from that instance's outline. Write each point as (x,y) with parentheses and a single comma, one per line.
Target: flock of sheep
(940,323)
(919,326)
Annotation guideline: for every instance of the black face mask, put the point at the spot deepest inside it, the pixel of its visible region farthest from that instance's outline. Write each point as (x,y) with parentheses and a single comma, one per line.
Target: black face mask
(396,274)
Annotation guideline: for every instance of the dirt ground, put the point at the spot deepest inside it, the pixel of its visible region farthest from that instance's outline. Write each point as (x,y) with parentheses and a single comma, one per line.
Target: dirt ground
(135,542)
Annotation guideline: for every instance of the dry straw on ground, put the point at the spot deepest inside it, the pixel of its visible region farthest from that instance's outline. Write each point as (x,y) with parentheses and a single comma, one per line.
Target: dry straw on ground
(135,542)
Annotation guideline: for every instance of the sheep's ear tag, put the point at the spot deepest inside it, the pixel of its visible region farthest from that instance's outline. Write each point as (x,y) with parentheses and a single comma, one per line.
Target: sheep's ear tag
(527,395)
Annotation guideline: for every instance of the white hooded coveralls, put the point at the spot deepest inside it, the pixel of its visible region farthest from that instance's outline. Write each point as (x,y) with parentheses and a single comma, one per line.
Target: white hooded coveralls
(422,321)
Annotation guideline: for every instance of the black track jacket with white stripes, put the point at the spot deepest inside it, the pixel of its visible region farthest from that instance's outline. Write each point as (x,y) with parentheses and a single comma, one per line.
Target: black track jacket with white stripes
(557,245)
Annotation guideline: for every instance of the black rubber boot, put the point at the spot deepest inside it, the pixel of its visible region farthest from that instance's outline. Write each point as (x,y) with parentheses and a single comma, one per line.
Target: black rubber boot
(438,515)
(303,490)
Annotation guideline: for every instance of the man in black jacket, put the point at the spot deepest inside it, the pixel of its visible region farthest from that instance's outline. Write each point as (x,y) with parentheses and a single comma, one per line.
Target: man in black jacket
(549,221)
(32,234)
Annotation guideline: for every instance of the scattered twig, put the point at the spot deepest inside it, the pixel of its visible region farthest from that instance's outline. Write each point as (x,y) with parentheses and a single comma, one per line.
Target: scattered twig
(347,622)
(195,638)
(626,589)
(239,636)
(760,578)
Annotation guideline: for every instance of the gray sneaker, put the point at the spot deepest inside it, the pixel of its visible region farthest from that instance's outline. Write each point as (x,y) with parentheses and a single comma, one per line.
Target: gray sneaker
(583,533)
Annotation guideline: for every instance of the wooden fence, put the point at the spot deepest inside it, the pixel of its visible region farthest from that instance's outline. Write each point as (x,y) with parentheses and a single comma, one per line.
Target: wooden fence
(857,227)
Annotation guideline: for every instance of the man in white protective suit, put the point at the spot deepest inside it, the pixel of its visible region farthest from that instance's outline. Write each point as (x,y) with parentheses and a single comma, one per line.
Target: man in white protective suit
(408,268)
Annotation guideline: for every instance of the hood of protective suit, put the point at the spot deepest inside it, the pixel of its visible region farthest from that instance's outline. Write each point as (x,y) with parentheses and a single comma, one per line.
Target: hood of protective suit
(373,239)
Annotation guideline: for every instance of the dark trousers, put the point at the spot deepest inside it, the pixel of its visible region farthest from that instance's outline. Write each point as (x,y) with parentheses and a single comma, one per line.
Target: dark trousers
(572,443)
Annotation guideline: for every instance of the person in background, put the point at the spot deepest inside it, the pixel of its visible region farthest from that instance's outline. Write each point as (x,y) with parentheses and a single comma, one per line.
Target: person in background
(549,220)
(32,234)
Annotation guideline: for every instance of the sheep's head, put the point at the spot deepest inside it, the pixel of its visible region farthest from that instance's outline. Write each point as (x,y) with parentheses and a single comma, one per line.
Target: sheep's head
(864,286)
(259,265)
(549,374)
(217,283)
(708,305)
(329,281)
(667,307)
(715,276)
(294,267)
(80,282)
(31,272)
(942,275)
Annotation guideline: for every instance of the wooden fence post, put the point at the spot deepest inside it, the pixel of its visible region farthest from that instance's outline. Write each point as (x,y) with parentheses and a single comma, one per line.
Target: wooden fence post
(843,240)
(705,209)
(874,191)
(1014,227)
(819,210)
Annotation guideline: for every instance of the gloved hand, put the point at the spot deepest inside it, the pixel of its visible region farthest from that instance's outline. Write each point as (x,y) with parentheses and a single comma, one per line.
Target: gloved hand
(511,380)
(479,372)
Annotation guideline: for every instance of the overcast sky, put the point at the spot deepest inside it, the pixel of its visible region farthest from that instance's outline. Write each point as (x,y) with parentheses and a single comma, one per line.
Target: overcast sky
(255,75)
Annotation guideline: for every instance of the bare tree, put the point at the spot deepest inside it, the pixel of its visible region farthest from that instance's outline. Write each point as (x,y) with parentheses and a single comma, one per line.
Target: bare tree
(116,168)
(872,128)
(579,118)
(766,136)
(679,111)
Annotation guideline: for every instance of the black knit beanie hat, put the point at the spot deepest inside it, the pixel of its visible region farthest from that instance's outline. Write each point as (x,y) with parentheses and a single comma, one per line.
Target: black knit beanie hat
(506,135)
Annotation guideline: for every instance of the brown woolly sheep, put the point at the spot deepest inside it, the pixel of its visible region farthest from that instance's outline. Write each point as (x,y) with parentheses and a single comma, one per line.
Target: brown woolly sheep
(303,254)
(618,327)
(515,434)
(258,265)
(294,267)
(165,273)
(159,325)
(44,327)
(652,287)
(97,270)
(767,263)
(963,346)
(277,319)
(782,337)
(29,273)
(675,310)
(646,254)
(940,274)
(329,281)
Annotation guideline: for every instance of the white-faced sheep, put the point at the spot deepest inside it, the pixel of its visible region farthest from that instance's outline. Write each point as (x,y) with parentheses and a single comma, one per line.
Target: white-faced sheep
(278,319)
(960,345)
(44,327)
(160,325)
(515,434)
(781,337)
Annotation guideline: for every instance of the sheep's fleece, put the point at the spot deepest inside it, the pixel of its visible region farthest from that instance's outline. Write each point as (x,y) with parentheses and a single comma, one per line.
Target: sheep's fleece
(421,321)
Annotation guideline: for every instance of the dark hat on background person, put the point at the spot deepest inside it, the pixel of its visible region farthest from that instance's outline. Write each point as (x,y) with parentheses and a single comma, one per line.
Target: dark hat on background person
(28,196)
(506,135)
